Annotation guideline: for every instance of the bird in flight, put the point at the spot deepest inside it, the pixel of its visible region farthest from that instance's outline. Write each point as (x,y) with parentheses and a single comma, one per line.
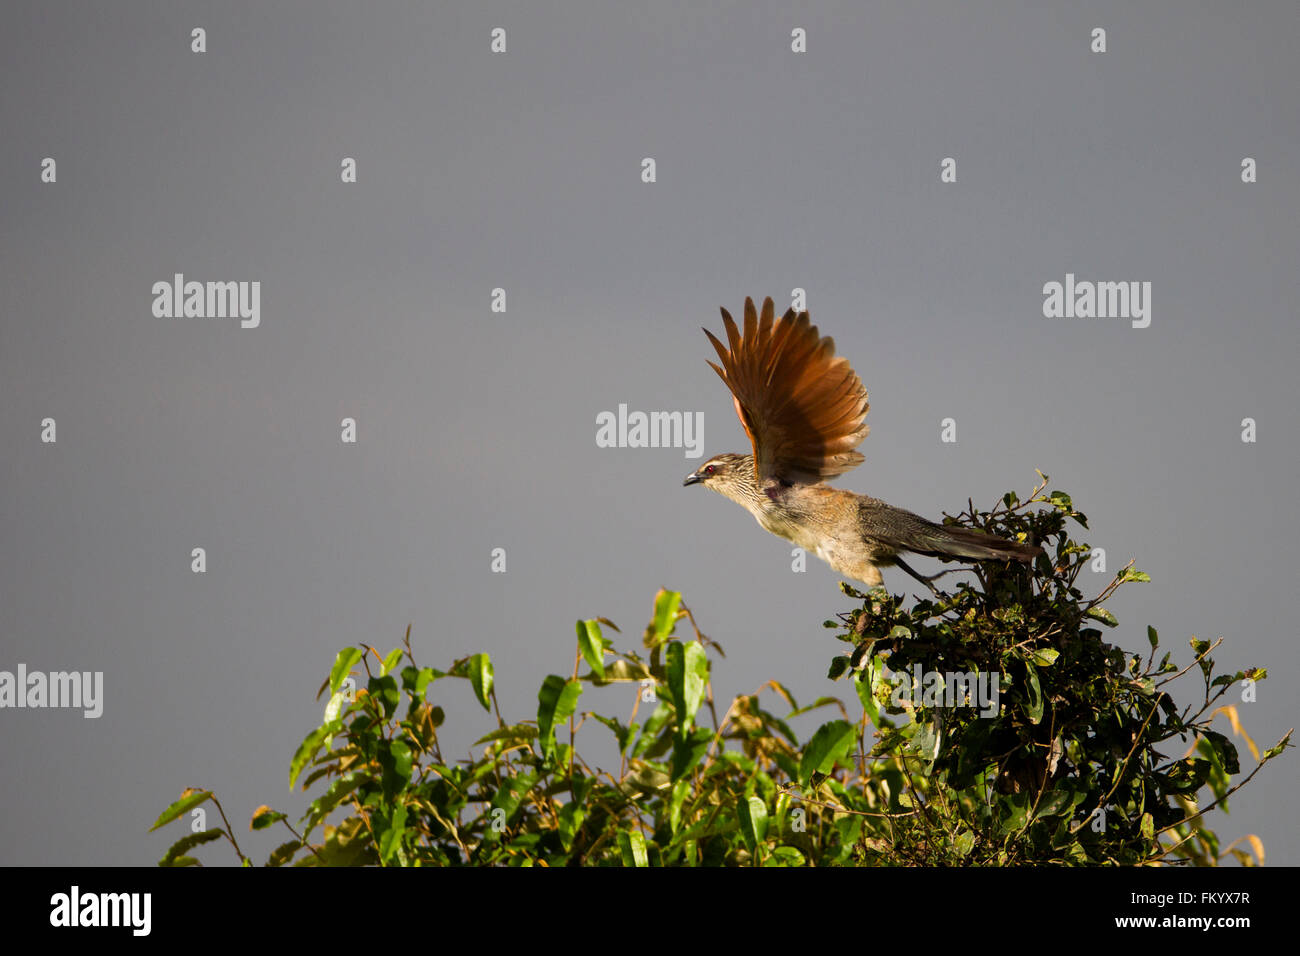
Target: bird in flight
(805,411)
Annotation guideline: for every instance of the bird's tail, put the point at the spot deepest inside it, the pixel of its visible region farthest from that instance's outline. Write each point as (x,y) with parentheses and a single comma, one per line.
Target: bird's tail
(945,541)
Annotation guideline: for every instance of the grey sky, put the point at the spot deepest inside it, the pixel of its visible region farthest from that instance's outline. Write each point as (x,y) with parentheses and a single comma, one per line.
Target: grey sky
(521,170)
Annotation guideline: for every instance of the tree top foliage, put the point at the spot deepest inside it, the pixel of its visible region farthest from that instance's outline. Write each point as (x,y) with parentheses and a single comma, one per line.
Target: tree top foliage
(991,724)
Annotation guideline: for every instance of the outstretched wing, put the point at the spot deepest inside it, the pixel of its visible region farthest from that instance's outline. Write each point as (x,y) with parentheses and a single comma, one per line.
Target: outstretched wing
(803,407)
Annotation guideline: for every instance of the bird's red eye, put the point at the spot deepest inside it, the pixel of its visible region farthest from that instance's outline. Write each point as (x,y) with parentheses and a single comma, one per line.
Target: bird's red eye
(708,469)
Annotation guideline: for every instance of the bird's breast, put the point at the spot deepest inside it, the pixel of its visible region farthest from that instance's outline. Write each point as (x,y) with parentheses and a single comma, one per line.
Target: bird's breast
(782,523)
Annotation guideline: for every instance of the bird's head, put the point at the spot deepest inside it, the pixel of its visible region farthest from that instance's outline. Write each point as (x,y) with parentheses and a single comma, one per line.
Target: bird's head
(731,475)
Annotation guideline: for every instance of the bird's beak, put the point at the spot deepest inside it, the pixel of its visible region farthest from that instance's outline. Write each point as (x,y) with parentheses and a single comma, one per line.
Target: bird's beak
(694,478)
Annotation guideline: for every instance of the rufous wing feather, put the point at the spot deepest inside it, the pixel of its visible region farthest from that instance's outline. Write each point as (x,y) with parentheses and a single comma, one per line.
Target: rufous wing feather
(802,406)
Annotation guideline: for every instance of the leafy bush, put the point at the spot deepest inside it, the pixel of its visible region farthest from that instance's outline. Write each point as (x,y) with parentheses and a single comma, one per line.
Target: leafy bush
(992,726)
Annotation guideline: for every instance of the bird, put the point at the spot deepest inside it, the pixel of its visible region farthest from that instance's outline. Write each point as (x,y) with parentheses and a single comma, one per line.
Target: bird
(804,410)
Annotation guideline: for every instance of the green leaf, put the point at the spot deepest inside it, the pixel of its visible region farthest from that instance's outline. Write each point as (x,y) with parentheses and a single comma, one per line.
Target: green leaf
(1153,637)
(392,660)
(390,837)
(620,670)
(384,690)
(394,756)
(647,779)
(753,822)
(514,733)
(829,744)
(592,646)
(681,790)
(264,817)
(631,845)
(667,604)
(1045,656)
(480,678)
(571,817)
(175,855)
(416,682)
(310,745)
(188,801)
(338,705)
(283,853)
(864,683)
(339,791)
(343,664)
(557,700)
(1188,775)
(787,856)
(1277,748)
(689,750)
(1056,802)
(1061,500)
(687,672)
(926,742)
(508,799)
(1015,809)
(819,703)
(1103,615)
(839,665)
(1034,705)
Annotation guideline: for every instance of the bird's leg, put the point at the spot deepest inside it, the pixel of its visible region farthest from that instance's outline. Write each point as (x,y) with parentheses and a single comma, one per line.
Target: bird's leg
(928,582)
